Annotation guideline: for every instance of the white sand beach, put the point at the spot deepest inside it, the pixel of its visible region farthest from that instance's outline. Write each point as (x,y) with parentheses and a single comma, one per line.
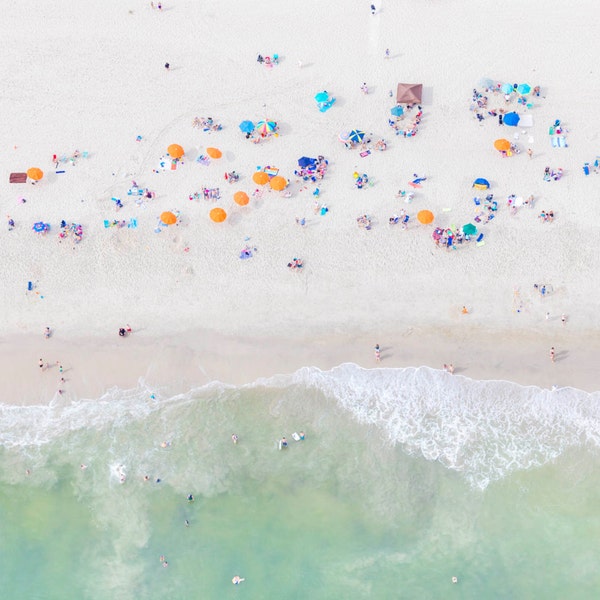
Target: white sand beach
(90,78)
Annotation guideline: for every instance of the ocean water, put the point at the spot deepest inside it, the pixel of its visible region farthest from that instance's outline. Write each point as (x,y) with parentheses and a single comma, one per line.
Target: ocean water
(406,478)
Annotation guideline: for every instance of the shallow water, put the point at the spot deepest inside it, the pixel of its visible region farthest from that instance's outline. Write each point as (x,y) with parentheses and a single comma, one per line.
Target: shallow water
(407,477)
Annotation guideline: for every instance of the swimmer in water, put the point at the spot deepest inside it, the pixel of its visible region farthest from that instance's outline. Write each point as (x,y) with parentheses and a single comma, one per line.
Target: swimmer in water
(83,467)
(284,442)
(237,580)
(234,438)
(455,579)
(190,498)
(302,436)
(187,523)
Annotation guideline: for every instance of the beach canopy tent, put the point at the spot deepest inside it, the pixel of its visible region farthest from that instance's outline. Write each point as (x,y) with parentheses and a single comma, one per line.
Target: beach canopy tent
(278,183)
(247,126)
(511,119)
(523,89)
(425,217)
(409,93)
(260,177)
(397,111)
(218,215)
(481,184)
(175,151)
(241,198)
(214,152)
(17,178)
(168,218)
(305,161)
(502,145)
(469,229)
(35,173)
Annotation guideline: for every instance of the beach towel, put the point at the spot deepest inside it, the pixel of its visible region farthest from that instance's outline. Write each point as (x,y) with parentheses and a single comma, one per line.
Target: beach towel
(17,178)
(586,168)
(106,224)
(481,243)
(365,153)
(132,223)
(480,237)
(562,141)
(272,171)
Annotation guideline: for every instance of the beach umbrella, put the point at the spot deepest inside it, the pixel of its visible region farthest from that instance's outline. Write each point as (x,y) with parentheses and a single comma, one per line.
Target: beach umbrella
(511,119)
(484,82)
(425,217)
(322,97)
(278,183)
(214,152)
(397,111)
(481,184)
(306,161)
(35,173)
(40,227)
(260,177)
(469,229)
(266,127)
(168,218)
(247,126)
(524,89)
(175,151)
(356,136)
(241,198)
(507,88)
(502,144)
(218,215)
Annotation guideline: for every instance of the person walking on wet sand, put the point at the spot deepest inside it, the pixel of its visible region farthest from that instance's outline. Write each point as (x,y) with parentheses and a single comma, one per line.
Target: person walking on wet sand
(552,354)
(377,353)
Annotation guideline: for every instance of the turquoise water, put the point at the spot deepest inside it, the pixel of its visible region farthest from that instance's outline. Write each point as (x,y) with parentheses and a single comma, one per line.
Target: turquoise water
(406,478)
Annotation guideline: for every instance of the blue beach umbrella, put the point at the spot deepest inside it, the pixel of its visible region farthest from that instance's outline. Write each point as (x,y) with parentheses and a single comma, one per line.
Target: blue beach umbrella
(40,227)
(512,119)
(322,97)
(247,126)
(397,111)
(356,136)
(524,89)
(507,88)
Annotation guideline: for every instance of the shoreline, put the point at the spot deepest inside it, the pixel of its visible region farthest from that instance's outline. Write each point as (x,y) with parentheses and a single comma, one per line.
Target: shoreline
(177,363)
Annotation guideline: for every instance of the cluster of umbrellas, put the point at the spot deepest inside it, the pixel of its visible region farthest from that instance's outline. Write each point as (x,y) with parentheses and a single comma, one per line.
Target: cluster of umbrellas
(176,152)
(507,88)
(263,128)
(276,183)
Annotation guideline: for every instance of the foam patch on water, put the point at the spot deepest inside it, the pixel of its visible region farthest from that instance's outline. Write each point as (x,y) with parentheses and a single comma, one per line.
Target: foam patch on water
(484,429)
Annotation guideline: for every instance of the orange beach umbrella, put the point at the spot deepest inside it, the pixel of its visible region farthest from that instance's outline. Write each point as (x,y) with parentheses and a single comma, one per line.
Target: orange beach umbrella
(260,177)
(214,152)
(502,144)
(168,218)
(35,173)
(425,217)
(241,198)
(218,215)
(175,151)
(278,183)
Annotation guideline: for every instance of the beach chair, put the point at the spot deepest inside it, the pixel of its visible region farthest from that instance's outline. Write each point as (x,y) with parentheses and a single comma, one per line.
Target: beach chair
(132,223)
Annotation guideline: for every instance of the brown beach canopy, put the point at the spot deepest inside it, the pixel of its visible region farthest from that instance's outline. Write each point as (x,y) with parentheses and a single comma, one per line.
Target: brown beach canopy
(409,93)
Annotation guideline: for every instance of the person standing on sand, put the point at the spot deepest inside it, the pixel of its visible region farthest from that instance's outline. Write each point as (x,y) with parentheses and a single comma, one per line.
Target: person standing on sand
(563,318)
(552,354)
(530,152)
(377,353)
(167,66)
(373,9)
